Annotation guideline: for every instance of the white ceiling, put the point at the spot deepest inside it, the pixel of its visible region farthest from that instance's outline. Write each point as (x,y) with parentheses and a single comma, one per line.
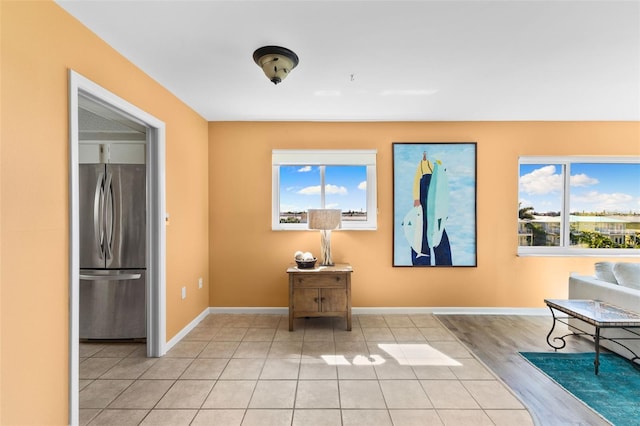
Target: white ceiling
(418,60)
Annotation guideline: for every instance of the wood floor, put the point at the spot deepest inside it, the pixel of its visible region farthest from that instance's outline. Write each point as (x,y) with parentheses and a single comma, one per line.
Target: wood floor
(497,339)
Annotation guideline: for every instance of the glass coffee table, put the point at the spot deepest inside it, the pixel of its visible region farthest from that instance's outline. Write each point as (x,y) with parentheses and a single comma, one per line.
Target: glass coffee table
(598,314)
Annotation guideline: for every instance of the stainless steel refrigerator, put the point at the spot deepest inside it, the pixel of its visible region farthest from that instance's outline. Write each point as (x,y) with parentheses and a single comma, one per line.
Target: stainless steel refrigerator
(113,212)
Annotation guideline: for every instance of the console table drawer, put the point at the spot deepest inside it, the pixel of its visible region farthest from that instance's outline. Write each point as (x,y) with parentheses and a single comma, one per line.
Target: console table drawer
(320,281)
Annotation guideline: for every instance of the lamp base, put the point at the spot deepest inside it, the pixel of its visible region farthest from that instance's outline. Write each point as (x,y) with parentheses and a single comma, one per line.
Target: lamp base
(325,248)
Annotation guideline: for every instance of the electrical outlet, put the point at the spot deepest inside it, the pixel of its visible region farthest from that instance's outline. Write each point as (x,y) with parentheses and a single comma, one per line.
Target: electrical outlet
(200,282)
(184,293)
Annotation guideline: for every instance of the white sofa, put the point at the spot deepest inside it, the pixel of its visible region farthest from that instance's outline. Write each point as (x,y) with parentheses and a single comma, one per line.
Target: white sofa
(615,283)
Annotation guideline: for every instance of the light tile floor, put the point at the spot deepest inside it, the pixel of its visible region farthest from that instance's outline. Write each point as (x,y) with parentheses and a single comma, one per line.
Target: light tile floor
(249,370)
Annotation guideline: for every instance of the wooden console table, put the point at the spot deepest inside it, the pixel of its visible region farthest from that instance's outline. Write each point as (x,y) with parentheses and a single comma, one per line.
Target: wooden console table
(324,291)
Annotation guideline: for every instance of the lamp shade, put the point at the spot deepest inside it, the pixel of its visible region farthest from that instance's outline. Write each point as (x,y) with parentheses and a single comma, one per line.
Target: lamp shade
(324,219)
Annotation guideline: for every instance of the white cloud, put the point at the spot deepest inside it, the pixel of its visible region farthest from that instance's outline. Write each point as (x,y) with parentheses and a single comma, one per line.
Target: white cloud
(595,201)
(541,181)
(328,189)
(545,180)
(310,190)
(523,202)
(582,180)
(304,169)
(363,185)
(334,189)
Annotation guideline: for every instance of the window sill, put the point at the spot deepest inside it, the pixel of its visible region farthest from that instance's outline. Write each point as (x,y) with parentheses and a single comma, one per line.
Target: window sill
(577,252)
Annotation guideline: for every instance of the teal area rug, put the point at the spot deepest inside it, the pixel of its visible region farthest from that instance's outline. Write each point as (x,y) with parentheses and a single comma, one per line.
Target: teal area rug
(614,393)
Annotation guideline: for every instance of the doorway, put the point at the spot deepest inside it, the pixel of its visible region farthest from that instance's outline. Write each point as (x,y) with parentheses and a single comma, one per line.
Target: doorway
(85,93)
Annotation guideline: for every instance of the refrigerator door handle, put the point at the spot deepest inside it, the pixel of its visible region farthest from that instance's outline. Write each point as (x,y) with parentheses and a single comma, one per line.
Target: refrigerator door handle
(88,276)
(98,201)
(108,214)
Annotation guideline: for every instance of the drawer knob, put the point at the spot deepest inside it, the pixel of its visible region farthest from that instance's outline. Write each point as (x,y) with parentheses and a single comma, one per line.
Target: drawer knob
(315,299)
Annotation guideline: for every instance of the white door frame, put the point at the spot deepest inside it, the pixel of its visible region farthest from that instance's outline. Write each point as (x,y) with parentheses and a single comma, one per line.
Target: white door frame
(156,239)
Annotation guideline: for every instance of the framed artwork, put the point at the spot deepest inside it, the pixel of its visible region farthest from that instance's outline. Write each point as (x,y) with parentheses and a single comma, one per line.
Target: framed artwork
(434,204)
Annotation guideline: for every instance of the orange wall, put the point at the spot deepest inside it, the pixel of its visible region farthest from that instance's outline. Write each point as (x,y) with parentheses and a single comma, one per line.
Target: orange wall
(40,42)
(248,260)
(219,198)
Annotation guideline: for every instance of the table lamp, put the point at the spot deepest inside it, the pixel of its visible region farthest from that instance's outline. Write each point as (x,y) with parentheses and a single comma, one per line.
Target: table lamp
(325,220)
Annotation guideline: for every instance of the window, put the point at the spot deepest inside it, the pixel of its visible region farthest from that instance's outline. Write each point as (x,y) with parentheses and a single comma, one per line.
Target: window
(579,206)
(338,179)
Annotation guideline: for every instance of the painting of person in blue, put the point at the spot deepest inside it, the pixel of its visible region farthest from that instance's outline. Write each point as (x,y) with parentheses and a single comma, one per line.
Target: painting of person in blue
(433,222)
(434,204)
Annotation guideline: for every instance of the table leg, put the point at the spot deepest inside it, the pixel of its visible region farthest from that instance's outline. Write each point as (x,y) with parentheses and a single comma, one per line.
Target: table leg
(290,302)
(596,362)
(551,342)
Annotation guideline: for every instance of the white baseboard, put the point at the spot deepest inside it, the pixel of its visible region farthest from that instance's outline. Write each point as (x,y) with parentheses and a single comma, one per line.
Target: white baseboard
(249,310)
(391,310)
(452,311)
(175,339)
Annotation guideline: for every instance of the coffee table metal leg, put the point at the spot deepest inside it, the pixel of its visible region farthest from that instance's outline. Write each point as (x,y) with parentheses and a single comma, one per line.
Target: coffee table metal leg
(550,341)
(596,362)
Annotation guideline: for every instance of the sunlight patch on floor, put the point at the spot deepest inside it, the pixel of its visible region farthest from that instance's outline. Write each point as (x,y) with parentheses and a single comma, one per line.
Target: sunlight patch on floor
(404,354)
(417,354)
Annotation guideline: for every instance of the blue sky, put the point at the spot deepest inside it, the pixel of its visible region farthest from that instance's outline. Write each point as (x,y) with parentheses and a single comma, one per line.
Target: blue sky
(345,188)
(594,187)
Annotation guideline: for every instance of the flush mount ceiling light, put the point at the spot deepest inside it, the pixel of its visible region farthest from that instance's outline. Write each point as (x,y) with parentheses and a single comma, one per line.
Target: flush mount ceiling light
(275,61)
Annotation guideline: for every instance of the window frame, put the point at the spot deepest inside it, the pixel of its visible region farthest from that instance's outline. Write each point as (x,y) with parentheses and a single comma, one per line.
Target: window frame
(564,249)
(325,157)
